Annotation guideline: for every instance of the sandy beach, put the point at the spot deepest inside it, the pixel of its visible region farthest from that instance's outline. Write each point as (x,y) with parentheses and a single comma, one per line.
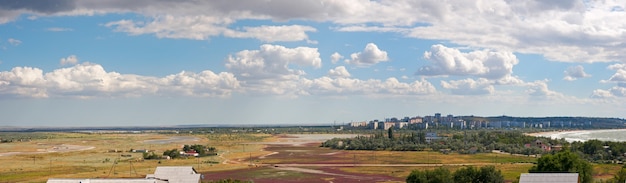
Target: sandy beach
(582,135)
(551,133)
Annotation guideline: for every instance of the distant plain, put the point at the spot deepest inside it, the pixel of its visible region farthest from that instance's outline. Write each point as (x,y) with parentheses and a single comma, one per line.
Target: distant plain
(246,156)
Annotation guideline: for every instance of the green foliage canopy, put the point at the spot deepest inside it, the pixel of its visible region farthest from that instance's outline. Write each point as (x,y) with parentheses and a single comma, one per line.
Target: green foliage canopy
(466,175)
(565,161)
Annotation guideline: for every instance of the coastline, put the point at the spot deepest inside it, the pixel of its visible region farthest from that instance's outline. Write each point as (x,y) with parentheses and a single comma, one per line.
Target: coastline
(576,135)
(554,132)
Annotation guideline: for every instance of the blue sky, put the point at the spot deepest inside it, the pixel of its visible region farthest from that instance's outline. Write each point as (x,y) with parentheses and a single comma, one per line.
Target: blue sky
(137,63)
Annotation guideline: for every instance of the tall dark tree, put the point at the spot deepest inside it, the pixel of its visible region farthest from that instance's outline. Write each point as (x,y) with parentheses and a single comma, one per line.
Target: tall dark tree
(390,133)
(422,137)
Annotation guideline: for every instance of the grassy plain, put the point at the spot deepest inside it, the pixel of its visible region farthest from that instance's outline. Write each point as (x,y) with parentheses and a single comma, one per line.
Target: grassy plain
(86,155)
(34,163)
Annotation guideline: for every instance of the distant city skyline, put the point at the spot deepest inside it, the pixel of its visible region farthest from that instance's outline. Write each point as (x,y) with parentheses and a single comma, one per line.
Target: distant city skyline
(136,63)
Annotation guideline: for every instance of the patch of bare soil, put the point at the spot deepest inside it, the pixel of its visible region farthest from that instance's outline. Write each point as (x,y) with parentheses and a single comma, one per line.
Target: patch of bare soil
(304,149)
(299,174)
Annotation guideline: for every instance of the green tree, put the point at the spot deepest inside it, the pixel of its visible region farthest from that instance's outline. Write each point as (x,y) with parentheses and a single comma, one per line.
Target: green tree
(564,161)
(172,153)
(484,174)
(592,146)
(150,155)
(390,133)
(490,174)
(438,175)
(467,174)
(422,137)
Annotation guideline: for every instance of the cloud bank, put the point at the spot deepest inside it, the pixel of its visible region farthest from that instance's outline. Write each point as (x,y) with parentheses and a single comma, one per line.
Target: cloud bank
(269,70)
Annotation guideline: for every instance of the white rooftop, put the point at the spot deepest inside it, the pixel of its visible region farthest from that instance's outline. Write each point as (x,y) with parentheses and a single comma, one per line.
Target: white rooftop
(549,178)
(55,180)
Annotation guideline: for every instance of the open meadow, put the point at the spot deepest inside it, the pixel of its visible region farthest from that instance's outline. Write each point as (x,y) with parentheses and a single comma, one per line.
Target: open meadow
(92,155)
(244,156)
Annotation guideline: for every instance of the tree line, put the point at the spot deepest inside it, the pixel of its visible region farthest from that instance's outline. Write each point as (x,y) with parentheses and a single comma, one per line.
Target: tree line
(562,162)
(463,142)
(466,175)
(175,153)
(480,141)
(600,151)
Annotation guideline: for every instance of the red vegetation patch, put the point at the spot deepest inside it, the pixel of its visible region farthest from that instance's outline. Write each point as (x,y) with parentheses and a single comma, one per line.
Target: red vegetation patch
(302,153)
(270,175)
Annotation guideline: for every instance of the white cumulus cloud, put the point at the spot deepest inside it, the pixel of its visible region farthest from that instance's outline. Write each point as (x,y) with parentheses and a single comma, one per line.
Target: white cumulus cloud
(272,70)
(574,72)
(87,80)
(599,93)
(205,84)
(272,60)
(616,91)
(339,71)
(619,91)
(369,56)
(469,86)
(540,89)
(335,57)
(619,78)
(373,87)
(268,71)
(483,63)
(620,73)
(71,60)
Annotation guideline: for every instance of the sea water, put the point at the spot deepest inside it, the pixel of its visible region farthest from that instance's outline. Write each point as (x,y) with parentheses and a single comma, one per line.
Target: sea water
(618,135)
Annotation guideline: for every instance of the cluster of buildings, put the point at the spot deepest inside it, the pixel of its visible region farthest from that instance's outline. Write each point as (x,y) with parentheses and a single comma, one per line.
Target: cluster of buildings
(419,122)
(544,146)
(457,122)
